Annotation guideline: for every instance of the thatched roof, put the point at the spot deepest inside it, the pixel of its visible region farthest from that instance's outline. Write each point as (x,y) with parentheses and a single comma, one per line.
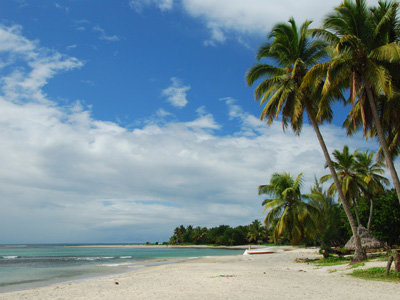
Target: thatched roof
(368,241)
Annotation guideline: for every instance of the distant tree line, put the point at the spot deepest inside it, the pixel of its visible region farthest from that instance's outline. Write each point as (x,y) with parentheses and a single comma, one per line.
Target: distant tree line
(221,235)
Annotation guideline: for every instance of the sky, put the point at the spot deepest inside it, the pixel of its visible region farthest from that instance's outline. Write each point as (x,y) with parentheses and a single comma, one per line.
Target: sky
(121,120)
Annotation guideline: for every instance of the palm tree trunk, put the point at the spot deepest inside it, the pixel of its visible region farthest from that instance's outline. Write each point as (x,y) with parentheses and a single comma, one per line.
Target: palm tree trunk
(382,140)
(359,254)
(371,210)
(356,212)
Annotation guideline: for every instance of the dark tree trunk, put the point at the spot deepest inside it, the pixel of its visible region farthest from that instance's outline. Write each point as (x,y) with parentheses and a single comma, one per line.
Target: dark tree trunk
(371,210)
(397,262)
(389,265)
(382,140)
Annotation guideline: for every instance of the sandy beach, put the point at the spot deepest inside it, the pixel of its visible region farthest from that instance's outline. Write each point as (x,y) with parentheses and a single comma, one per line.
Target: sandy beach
(266,276)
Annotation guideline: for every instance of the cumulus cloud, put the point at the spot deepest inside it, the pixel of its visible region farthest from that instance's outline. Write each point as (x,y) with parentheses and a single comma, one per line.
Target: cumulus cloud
(68,177)
(176,93)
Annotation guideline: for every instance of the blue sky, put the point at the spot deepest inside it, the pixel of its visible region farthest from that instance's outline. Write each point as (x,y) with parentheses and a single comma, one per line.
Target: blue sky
(121,120)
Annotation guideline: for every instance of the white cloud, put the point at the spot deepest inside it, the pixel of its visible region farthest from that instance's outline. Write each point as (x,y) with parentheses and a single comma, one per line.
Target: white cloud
(104,36)
(163,5)
(65,8)
(33,66)
(71,47)
(238,17)
(67,177)
(176,93)
(217,35)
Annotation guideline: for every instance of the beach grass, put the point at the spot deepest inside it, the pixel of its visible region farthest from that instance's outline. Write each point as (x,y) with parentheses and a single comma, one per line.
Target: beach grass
(376,273)
(332,261)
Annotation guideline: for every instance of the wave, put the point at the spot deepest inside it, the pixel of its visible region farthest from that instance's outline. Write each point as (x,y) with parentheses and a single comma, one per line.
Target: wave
(9,257)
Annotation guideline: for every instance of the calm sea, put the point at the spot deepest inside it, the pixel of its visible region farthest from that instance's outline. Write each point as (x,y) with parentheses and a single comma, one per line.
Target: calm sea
(31,266)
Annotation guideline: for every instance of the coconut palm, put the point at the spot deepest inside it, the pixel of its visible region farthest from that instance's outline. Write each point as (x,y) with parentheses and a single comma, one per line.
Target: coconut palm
(371,173)
(281,90)
(352,182)
(328,220)
(364,56)
(256,231)
(287,210)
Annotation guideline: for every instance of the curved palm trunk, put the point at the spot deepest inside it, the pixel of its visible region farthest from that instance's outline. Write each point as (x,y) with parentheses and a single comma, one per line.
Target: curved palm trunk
(360,254)
(371,210)
(382,140)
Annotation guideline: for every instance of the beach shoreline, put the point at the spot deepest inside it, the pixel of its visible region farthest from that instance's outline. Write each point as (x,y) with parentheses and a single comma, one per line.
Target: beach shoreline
(267,276)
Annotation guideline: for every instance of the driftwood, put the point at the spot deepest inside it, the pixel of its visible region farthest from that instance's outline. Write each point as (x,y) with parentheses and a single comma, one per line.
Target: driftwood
(397,262)
(389,264)
(327,249)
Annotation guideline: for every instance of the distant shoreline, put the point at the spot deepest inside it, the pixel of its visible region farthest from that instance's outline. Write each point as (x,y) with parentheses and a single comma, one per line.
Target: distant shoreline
(239,247)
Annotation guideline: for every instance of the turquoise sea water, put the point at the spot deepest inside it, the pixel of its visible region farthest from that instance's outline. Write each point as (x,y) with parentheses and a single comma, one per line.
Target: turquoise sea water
(31,266)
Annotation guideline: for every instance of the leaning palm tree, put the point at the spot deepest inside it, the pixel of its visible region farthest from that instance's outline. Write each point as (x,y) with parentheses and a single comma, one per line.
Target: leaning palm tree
(363,59)
(287,210)
(294,53)
(371,173)
(352,182)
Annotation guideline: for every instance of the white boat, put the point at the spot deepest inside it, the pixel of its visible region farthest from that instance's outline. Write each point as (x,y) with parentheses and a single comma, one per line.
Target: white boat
(260,251)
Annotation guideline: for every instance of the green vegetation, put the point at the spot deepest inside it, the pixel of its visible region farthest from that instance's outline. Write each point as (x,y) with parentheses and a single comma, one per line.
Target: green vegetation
(332,261)
(357,50)
(355,266)
(221,235)
(376,273)
(385,223)
(287,211)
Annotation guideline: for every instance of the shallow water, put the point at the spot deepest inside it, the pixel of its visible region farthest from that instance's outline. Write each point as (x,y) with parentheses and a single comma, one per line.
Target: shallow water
(31,266)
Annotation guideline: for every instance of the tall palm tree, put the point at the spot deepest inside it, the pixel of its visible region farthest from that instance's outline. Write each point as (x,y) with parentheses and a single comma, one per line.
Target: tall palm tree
(287,209)
(364,55)
(294,53)
(371,173)
(352,182)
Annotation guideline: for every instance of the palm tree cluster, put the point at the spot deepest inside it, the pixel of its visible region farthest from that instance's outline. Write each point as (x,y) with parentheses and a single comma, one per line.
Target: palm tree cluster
(220,235)
(299,217)
(306,70)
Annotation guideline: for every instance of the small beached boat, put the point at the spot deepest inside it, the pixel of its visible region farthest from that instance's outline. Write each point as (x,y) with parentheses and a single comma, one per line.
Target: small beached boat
(260,251)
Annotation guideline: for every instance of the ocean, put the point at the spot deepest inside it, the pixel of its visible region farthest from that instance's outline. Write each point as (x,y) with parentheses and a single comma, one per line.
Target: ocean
(31,266)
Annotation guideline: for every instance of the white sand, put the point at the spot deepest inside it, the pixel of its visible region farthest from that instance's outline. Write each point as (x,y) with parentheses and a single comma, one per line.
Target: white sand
(263,276)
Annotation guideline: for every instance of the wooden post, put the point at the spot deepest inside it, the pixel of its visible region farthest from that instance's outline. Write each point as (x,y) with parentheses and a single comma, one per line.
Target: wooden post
(397,262)
(389,264)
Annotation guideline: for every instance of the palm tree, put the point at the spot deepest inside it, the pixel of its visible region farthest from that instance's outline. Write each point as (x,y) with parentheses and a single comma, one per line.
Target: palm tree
(352,182)
(282,93)
(327,220)
(371,173)
(364,55)
(256,231)
(287,209)
(199,234)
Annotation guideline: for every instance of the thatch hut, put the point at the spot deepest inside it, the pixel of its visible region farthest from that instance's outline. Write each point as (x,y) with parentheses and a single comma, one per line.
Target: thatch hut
(368,241)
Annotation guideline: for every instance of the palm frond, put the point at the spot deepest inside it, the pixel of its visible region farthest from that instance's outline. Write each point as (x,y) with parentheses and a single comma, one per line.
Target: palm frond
(387,53)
